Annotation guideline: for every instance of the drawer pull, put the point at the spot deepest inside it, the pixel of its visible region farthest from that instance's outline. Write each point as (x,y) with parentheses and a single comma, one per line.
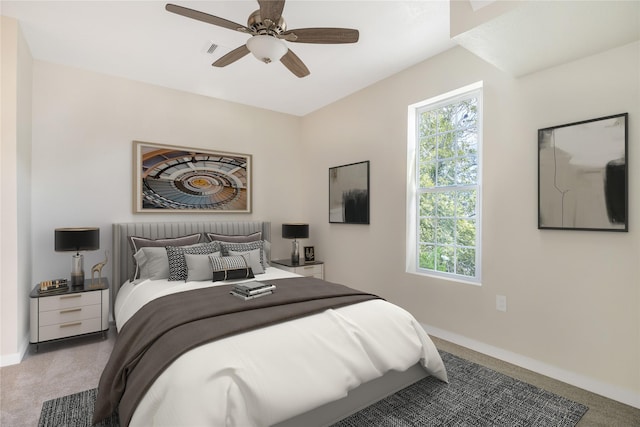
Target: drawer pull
(66,325)
(308,267)
(72,310)
(71,296)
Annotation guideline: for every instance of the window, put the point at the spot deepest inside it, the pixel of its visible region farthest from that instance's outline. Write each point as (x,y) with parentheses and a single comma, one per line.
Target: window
(443,213)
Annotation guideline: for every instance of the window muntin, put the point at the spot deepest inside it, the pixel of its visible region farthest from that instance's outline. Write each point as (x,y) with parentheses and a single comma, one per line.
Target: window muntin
(446,188)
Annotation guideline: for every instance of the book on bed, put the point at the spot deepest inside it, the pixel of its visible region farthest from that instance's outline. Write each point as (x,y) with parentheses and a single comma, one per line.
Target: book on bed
(252,289)
(248,297)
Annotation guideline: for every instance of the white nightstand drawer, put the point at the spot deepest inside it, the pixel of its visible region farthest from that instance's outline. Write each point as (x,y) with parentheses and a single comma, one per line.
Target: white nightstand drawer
(69,300)
(69,329)
(314,270)
(72,314)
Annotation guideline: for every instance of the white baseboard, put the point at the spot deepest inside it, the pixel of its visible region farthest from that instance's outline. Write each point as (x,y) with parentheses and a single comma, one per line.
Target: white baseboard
(15,358)
(619,394)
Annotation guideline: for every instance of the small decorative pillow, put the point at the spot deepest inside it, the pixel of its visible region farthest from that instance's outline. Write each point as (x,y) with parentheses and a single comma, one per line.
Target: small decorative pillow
(230,267)
(199,267)
(253,259)
(245,247)
(177,261)
(235,238)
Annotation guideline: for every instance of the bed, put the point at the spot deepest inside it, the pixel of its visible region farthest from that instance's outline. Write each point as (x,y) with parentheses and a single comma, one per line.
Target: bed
(312,371)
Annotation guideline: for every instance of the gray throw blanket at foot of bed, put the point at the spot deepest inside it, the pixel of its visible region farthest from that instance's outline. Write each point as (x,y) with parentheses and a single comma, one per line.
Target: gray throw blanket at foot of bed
(169,326)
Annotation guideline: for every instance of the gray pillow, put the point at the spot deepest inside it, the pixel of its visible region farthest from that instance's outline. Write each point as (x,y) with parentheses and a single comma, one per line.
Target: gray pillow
(152,262)
(177,262)
(138,243)
(141,242)
(235,238)
(199,267)
(245,247)
(253,259)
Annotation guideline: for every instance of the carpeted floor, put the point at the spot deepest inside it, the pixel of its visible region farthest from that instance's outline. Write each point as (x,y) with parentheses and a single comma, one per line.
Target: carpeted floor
(475,396)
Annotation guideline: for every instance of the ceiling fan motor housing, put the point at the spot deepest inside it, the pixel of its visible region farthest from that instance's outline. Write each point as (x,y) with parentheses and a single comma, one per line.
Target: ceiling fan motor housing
(267,26)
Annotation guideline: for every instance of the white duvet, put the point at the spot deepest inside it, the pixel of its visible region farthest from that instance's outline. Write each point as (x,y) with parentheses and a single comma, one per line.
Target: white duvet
(263,377)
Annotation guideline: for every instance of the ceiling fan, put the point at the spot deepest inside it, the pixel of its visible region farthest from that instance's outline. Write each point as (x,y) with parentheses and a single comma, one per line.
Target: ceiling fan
(268,28)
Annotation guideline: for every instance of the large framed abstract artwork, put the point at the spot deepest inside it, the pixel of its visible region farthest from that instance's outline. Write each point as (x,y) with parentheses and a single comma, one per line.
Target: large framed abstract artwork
(349,193)
(583,175)
(170,178)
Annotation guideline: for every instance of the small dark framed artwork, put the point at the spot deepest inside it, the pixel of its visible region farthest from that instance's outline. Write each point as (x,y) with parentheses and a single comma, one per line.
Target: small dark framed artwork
(583,175)
(309,254)
(349,193)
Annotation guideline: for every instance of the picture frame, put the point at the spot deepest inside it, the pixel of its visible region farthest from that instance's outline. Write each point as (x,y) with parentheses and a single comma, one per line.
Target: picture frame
(171,178)
(349,193)
(583,175)
(309,254)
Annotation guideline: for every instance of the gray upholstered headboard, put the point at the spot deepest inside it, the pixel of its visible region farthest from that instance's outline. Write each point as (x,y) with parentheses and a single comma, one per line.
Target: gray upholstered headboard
(123,266)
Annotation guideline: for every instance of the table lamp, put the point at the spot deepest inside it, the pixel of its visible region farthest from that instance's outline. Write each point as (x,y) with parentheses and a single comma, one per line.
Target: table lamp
(76,240)
(295,231)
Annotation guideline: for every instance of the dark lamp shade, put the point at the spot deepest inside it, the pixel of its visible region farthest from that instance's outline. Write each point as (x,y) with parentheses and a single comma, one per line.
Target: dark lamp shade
(77,239)
(295,231)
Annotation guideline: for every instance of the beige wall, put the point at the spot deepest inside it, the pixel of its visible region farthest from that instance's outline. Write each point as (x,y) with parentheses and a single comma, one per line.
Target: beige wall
(573,296)
(15,199)
(83,127)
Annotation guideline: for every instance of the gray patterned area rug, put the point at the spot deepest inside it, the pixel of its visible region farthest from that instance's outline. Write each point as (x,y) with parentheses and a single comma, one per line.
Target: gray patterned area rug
(475,396)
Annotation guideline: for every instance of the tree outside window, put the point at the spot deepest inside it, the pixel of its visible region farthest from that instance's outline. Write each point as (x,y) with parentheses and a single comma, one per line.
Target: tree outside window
(447,187)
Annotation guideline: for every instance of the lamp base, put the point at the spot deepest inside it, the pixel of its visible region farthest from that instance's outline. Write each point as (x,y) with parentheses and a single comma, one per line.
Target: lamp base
(77,279)
(295,253)
(77,271)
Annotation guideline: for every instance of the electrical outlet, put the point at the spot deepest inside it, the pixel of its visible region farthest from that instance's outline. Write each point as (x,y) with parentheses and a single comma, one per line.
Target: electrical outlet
(501,303)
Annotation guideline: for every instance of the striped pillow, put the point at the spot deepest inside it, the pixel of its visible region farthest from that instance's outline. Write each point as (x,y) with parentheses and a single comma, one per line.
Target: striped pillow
(230,267)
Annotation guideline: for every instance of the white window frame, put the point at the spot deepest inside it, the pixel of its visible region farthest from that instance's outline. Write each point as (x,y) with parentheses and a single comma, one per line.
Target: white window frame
(413,214)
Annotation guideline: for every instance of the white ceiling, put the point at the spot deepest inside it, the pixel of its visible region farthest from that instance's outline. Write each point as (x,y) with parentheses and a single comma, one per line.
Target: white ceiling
(141,41)
(540,34)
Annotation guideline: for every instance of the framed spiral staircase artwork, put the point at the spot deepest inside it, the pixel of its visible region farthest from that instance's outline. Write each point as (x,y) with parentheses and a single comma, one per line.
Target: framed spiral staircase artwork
(169,178)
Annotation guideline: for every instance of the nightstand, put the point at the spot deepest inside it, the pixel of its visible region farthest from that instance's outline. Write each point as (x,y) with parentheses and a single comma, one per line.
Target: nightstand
(76,311)
(309,268)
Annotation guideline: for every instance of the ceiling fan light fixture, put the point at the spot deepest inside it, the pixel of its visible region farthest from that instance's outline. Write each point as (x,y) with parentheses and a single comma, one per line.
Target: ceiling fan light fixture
(266,48)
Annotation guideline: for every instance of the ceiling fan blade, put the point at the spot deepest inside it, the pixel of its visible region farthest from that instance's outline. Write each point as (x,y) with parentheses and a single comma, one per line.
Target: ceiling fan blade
(205,17)
(294,64)
(232,56)
(271,9)
(321,35)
